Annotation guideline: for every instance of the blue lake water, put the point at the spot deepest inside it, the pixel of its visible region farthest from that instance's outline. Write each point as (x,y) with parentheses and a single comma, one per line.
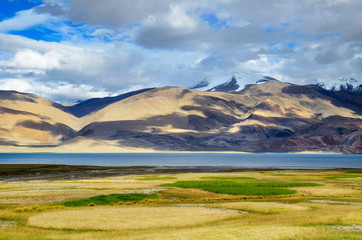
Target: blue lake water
(281,161)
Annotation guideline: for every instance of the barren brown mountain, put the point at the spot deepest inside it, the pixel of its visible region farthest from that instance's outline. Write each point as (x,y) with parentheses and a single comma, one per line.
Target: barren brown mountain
(268,117)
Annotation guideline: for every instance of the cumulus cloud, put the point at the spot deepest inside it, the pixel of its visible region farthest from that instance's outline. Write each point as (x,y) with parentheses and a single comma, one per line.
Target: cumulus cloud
(111,68)
(178,19)
(58,91)
(113,13)
(124,45)
(27,58)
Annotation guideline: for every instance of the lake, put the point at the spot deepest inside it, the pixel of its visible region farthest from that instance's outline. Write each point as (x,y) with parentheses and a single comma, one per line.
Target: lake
(280,161)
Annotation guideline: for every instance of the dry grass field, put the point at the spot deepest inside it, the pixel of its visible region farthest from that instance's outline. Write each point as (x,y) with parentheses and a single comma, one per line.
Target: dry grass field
(331,210)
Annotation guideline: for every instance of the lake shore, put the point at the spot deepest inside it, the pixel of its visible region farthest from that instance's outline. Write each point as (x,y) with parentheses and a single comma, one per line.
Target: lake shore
(114,149)
(36,172)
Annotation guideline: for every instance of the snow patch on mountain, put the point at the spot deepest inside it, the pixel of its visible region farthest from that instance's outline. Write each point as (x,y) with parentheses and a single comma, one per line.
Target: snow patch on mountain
(203,83)
(237,82)
(341,83)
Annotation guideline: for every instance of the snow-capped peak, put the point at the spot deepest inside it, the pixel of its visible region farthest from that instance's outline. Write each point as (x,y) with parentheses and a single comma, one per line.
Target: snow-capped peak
(236,82)
(341,83)
(203,83)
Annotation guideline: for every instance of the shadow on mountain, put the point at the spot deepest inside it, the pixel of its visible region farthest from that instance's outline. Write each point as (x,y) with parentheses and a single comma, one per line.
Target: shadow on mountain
(15,112)
(94,104)
(16,96)
(5,142)
(214,120)
(346,97)
(56,129)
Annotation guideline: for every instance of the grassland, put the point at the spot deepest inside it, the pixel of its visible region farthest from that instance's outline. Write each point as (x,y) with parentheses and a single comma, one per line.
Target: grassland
(246,188)
(226,178)
(109,199)
(315,205)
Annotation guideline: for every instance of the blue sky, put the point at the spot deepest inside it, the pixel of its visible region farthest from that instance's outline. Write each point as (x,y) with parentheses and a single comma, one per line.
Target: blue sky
(10,8)
(67,50)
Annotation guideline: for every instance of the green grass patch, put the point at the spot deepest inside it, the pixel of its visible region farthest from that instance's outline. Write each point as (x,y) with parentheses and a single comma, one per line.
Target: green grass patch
(282,175)
(282,184)
(359,171)
(235,188)
(108,199)
(226,178)
(156,178)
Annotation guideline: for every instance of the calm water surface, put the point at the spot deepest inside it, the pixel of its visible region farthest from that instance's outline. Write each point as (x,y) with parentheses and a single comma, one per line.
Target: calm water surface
(284,161)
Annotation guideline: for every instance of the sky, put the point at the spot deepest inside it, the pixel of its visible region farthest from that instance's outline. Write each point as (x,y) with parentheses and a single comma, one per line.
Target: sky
(68,50)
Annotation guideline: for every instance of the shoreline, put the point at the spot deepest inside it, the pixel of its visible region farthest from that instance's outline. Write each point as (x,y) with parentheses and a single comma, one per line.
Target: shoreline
(113,149)
(40,172)
(159,152)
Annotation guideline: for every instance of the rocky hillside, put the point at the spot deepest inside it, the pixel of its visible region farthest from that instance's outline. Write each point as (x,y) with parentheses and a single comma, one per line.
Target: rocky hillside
(268,117)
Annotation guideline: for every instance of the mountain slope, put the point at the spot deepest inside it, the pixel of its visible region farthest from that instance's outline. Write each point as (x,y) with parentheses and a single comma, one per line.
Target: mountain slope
(27,119)
(255,119)
(92,105)
(268,117)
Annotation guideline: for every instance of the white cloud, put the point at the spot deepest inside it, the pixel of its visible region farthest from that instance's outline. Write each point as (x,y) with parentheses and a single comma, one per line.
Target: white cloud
(20,85)
(113,13)
(23,20)
(27,58)
(177,18)
(126,45)
(60,91)
(102,32)
(13,43)
(264,65)
(110,67)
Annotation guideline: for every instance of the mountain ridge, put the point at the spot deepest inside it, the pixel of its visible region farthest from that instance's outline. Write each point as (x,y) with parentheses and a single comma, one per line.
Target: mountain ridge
(271,116)
(237,81)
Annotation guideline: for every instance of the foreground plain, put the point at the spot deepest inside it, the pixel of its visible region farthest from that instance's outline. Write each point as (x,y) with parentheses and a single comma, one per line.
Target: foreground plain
(318,204)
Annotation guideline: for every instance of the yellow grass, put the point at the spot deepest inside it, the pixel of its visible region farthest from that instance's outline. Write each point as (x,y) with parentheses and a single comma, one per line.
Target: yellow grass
(318,214)
(353,218)
(115,218)
(264,207)
(328,191)
(237,232)
(183,213)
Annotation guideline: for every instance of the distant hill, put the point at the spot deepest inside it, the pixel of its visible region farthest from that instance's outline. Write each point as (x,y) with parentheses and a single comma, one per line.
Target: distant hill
(83,108)
(270,116)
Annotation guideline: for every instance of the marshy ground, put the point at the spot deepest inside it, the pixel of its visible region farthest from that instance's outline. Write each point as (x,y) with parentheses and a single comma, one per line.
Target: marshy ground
(238,204)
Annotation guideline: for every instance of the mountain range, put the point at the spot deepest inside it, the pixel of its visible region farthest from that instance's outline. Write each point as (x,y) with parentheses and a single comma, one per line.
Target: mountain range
(239,80)
(267,116)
